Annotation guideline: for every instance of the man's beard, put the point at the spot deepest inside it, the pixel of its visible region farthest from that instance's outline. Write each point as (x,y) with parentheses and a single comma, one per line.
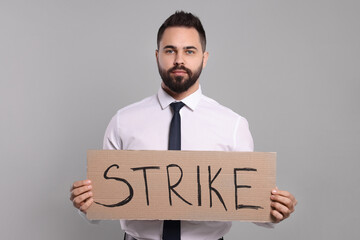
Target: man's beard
(179,84)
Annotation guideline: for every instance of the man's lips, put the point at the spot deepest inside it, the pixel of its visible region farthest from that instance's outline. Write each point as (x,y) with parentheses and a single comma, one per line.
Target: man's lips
(179,72)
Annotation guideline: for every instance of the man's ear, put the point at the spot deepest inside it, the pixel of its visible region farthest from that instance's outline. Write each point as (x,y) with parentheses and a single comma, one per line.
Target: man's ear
(157,55)
(205,58)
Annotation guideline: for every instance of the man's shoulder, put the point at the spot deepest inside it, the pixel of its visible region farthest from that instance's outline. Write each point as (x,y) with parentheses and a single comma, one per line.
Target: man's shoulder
(140,106)
(220,109)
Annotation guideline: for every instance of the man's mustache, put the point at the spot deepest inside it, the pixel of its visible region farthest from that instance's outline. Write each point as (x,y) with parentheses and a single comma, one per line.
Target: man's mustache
(180,67)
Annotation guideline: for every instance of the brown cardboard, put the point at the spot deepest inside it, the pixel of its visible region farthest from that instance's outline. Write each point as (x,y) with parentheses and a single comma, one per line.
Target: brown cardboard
(255,177)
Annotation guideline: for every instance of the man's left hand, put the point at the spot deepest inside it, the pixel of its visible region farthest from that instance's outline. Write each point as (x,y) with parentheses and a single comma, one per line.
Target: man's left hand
(282,203)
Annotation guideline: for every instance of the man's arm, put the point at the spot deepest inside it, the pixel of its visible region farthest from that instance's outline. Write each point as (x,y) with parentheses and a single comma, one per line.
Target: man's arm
(282,202)
(81,194)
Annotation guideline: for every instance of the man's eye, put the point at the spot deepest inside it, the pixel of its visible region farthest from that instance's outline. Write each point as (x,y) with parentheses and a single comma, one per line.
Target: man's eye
(169,51)
(190,52)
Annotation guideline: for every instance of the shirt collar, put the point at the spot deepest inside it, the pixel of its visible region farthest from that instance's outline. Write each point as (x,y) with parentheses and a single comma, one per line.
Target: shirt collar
(190,101)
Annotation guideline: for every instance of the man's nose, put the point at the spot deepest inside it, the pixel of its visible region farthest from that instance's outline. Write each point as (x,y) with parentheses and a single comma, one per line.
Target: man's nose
(179,60)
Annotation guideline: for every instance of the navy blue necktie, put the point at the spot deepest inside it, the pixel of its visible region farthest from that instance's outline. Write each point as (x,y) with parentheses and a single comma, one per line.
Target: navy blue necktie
(171,230)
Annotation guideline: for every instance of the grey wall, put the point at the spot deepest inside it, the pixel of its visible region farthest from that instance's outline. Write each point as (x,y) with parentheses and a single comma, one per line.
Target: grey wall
(290,67)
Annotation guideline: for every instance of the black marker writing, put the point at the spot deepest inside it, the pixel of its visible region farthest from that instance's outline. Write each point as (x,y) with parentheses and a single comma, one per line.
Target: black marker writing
(145,179)
(240,206)
(172,187)
(199,185)
(214,189)
(131,191)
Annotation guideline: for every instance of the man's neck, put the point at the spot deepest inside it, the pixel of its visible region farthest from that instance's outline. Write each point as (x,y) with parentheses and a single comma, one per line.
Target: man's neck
(181,96)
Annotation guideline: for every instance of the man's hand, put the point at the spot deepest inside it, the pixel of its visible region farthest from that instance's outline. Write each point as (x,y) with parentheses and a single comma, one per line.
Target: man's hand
(283,204)
(81,195)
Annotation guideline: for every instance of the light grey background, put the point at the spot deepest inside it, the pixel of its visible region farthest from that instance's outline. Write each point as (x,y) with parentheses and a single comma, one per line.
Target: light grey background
(290,67)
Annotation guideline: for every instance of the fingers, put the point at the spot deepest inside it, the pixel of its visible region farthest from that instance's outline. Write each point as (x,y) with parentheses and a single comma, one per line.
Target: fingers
(277,217)
(81,200)
(86,205)
(284,197)
(280,211)
(80,184)
(284,201)
(81,195)
(78,191)
(283,204)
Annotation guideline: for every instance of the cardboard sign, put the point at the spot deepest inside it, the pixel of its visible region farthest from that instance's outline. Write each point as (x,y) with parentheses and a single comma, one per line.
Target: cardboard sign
(183,185)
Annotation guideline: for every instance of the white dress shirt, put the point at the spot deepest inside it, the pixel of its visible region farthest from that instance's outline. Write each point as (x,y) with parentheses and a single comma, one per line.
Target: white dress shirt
(205,126)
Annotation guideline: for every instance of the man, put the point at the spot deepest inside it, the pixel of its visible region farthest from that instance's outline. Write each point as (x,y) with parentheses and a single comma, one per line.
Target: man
(205,125)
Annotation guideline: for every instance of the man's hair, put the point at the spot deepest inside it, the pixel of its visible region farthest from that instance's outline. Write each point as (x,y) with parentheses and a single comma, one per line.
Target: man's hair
(183,19)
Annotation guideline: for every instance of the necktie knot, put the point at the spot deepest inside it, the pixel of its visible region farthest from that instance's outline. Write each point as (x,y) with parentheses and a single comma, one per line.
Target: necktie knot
(176,106)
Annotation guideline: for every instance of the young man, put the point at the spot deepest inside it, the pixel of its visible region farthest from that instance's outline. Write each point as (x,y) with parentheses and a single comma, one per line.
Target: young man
(205,125)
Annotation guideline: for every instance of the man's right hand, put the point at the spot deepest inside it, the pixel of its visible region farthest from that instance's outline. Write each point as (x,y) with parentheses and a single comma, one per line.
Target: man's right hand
(81,195)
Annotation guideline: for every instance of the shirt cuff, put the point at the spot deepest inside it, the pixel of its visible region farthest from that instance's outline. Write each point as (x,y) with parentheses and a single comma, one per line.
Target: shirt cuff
(265,224)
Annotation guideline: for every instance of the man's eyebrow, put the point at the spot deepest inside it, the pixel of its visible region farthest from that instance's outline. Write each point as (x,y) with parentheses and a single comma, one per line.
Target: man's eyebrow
(170,46)
(186,48)
(190,47)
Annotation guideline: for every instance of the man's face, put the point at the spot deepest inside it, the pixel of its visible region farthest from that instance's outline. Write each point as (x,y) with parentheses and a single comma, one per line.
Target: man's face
(180,58)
